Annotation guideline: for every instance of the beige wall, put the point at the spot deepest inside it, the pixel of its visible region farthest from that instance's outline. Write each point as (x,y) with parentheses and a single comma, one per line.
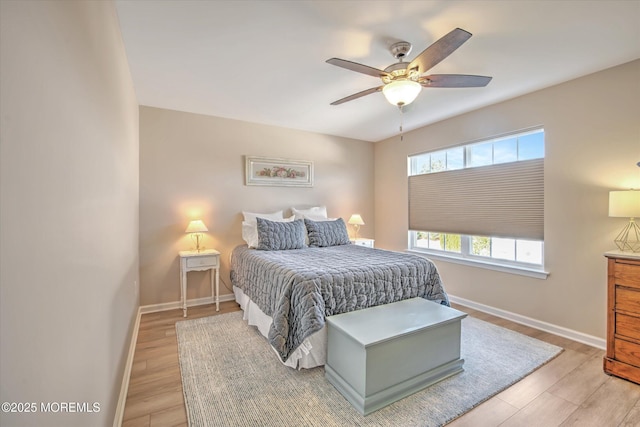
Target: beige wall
(69,209)
(592,137)
(192,166)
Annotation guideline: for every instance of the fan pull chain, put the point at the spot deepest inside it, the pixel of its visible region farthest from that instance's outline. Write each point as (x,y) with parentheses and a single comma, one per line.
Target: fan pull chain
(401,117)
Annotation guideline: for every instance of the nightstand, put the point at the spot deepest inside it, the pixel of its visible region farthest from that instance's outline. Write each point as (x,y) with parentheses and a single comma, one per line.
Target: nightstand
(205,259)
(361,241)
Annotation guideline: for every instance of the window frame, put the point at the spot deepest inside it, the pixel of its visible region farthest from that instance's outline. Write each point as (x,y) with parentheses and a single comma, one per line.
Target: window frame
(466,256)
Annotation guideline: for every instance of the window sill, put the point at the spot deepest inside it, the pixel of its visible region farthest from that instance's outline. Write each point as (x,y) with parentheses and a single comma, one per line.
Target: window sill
(512,269)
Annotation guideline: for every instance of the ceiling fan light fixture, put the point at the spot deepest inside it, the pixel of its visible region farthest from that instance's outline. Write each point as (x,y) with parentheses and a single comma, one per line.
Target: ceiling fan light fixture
(401,92)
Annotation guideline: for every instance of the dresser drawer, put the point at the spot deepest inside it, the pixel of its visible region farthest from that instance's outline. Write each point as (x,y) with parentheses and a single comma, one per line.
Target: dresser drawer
(627,352)
(627,274)
(627,299)
(628,326)
(202,261)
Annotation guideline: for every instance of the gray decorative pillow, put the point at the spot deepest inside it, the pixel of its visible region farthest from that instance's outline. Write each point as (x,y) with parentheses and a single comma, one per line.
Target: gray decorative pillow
(327,233)
(278,236)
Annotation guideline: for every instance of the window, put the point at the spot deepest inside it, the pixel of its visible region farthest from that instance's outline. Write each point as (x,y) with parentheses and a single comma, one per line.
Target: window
(481,202)
(438,241)
(519,147)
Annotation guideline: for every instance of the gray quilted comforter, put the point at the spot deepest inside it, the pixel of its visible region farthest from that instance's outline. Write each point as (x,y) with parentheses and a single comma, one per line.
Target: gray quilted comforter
(299,288)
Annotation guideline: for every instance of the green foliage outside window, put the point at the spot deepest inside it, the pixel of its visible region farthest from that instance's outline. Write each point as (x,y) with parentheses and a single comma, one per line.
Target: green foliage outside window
(481,246)
(447,242)
(452,242)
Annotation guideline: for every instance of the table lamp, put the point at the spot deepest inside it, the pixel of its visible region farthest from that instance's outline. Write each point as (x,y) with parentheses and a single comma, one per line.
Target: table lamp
(356,221)
(196,228)
(626,204)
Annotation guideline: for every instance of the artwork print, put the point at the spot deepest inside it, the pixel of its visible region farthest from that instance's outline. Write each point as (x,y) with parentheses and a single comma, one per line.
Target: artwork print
(278,172)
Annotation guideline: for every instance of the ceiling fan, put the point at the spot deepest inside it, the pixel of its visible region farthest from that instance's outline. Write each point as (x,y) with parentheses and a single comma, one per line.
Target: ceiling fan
(403,81)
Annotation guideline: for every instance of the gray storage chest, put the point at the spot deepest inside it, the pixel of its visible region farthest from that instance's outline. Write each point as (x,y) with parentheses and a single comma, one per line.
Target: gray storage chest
(381,354)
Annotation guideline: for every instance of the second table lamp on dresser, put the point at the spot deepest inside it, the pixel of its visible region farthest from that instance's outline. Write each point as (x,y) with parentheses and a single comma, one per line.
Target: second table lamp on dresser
(196,228)
(626,204)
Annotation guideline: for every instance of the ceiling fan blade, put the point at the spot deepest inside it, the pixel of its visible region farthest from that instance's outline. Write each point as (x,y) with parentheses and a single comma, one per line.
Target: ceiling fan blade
(454,80)
(439,50)
(359,68)
(357,95)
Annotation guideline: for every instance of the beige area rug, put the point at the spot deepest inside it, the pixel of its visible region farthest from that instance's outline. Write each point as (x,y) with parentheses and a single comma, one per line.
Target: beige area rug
(231,377)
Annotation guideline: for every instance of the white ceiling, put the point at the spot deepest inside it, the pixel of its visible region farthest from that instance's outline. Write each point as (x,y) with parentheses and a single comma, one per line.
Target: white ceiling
(264,61)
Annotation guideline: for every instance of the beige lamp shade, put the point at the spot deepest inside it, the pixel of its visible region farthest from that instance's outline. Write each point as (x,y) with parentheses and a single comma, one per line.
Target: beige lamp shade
(356,219)
(196,226)
(624,204)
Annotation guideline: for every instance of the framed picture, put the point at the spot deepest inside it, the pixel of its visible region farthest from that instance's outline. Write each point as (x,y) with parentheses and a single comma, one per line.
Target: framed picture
(278,172)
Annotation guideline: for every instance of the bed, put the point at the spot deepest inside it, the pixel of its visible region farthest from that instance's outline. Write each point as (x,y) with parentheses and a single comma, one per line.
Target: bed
(294,272)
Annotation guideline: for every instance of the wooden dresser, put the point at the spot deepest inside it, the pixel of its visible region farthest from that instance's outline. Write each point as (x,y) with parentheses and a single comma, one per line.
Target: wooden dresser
(623,316)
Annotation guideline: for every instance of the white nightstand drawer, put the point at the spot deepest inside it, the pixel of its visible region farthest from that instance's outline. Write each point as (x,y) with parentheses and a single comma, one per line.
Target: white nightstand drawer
(369,243)
(202,261)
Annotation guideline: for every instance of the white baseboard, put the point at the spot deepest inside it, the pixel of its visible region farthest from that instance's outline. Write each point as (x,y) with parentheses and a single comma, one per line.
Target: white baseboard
(124,388)
(583,338)
(153,308)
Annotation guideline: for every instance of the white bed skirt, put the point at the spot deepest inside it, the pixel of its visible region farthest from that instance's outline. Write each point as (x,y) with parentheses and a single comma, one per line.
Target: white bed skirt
(311,353)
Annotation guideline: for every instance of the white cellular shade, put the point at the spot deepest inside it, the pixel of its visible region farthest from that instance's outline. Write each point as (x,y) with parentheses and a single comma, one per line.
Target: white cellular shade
(504,200)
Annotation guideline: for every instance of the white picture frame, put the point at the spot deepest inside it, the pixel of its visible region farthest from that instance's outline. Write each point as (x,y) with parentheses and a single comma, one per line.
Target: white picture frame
(274,171)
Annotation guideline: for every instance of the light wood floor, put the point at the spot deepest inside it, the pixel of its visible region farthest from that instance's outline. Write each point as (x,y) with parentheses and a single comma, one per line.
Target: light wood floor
(571,390)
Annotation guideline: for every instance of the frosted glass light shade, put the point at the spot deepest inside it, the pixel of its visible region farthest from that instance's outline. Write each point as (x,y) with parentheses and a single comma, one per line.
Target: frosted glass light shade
(624,204)
(196,226)
(401,92)
(356,219)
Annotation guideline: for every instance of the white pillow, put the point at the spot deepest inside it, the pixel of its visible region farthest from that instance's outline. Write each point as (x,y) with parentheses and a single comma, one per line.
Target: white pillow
(250,217)
(319,218)
(316,211)
(250,229)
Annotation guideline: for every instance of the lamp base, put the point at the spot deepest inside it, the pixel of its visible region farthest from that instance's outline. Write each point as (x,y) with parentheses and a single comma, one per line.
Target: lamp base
(629,238)
(357,228)
(196,238)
